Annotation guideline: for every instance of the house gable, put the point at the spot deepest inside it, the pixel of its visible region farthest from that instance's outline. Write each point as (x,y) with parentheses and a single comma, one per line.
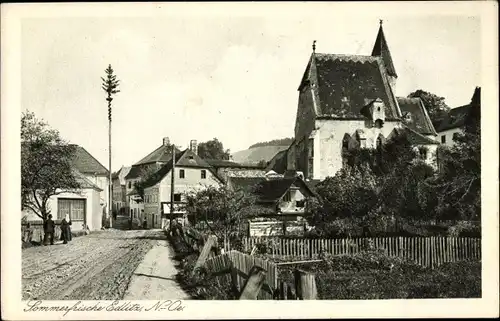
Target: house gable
(85,163)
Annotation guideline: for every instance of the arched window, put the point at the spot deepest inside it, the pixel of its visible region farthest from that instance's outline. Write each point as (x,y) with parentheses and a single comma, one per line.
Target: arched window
(379,123)
(345,142)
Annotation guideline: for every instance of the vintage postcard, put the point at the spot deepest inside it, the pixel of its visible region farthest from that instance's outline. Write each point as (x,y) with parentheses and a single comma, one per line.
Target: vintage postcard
(231,160)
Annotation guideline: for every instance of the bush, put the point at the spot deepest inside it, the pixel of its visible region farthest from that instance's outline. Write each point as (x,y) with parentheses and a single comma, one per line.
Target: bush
(374,275)
(201,285)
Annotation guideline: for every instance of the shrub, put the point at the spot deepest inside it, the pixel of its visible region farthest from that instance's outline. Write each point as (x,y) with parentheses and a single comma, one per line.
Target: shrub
(201,285)
(374,275)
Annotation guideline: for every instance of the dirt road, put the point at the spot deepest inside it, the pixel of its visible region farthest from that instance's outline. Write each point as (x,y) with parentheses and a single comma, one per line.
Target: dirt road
(94,267)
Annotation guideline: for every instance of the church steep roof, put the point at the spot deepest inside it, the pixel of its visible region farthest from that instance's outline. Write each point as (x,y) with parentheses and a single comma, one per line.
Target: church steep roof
(381,49)
(419,119)
(342,84)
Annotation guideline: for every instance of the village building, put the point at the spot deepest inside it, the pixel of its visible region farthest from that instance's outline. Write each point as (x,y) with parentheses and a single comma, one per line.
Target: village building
(280,201)
(227,168)
(87,206)
(150,163)
(120,204)
(456,119)
(348,101)
(191,174)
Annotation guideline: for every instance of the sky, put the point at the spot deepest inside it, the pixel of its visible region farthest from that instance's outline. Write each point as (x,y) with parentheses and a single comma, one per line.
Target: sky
(228,76)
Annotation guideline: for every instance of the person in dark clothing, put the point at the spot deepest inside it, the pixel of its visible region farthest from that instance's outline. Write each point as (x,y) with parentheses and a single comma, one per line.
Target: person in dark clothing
(48,229)
(144,223)
(66,230)
(130,222)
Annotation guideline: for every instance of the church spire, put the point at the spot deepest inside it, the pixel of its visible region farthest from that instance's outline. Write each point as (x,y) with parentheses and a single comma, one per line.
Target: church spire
(381,49)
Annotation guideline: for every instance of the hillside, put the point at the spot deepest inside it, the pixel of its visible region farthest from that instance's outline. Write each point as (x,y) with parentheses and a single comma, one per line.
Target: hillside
(255,154)
(275,142)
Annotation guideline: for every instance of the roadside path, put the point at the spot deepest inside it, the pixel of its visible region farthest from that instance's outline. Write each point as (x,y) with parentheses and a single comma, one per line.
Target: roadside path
(154,278)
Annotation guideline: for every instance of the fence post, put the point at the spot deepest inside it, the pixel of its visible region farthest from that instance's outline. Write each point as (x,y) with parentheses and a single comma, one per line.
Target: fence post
(305,285)
(283,290)
(256,278)
(207,248)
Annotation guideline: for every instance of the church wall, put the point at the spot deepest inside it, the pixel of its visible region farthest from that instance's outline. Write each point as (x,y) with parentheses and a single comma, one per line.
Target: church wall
(331,134)
(304,123)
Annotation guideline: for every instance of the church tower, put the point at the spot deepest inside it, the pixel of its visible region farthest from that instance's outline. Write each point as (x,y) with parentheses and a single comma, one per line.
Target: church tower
(381,49)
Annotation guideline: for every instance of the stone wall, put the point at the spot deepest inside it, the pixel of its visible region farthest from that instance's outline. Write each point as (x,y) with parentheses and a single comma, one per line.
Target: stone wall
(331,135)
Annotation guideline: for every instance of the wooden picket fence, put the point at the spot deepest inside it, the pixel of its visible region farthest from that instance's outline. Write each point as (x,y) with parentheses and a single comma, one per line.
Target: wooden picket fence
(426,251)
(234,267)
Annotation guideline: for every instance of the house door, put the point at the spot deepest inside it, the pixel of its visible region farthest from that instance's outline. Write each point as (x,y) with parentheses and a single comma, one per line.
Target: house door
(75,208)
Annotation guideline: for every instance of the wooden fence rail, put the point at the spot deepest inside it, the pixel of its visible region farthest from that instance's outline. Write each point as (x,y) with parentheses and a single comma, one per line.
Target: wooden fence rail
(426,251)
(235,267)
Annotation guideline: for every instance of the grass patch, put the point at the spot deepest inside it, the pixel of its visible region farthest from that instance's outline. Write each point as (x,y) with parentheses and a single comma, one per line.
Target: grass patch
(374,275)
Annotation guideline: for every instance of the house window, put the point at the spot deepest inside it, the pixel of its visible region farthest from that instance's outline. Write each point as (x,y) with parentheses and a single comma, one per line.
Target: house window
(177,197)
(181,173)
(75,208)
(287,197)
(300,203)
(379,123)
(443,139)
(203,174)
(455,136)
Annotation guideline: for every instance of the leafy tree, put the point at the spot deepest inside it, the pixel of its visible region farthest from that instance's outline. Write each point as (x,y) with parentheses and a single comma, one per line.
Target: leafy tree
(435,105)
(110,86)
(221,209)
(350,194)
(213,149)
(46,165)
(458,187)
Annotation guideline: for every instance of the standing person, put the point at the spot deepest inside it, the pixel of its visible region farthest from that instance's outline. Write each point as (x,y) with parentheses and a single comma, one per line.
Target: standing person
(48,229)
(65,229)
(68,219)
(130,222)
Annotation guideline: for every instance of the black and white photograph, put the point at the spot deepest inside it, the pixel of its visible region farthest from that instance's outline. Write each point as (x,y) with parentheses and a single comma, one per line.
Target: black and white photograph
(165,154)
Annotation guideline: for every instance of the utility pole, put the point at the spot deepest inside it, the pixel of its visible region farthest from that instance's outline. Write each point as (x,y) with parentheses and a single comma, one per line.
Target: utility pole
(172,181)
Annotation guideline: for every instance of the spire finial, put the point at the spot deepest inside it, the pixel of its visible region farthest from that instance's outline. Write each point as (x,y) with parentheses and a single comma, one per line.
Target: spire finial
(314,46)
(381,21)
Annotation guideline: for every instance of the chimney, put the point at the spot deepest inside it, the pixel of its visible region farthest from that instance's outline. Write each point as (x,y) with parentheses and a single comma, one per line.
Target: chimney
(193,146)
(166,141)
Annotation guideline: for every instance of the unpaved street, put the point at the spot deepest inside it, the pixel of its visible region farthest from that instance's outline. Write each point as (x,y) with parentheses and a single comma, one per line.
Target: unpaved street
(94,267)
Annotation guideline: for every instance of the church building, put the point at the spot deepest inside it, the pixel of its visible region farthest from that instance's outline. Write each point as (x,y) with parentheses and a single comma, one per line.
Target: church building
(348,101)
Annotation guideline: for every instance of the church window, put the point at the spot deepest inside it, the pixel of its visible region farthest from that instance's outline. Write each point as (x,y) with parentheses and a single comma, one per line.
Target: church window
(310,169)
(311,148)
(379,123)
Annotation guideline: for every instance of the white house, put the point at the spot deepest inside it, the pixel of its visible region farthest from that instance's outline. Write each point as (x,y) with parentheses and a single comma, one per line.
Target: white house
(86,206)
(96,173)
(455,120)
